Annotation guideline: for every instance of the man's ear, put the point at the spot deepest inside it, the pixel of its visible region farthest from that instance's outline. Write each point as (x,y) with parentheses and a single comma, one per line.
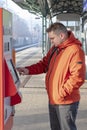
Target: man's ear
(62,35)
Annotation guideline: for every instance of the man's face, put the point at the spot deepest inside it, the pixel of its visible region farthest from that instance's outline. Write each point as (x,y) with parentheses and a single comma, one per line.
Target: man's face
(54,38)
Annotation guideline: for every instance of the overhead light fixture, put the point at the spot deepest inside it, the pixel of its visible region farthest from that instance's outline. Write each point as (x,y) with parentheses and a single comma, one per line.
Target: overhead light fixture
(64,11)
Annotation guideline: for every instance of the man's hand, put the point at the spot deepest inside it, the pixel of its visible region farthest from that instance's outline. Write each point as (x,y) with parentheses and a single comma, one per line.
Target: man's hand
(23,71)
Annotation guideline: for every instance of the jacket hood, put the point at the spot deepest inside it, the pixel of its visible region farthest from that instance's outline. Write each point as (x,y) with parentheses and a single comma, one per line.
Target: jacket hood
(70,41)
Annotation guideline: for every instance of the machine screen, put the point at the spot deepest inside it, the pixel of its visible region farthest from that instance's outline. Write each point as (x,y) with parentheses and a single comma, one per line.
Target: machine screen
(13,71)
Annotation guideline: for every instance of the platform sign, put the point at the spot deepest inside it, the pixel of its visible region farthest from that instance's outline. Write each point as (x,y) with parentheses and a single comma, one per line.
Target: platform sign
(84,5)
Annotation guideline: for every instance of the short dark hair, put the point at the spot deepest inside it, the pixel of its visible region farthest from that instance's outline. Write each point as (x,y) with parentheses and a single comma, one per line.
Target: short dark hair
(57,28)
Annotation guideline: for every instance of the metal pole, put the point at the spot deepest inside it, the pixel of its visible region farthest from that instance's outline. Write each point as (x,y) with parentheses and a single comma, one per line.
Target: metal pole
(43,35)
(1,73)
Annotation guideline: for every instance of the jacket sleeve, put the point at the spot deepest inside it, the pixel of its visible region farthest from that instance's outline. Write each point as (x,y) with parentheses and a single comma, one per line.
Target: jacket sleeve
(77,70)
(41,66)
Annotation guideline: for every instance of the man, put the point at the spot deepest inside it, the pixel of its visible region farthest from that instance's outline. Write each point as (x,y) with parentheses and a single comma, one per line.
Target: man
(64,66)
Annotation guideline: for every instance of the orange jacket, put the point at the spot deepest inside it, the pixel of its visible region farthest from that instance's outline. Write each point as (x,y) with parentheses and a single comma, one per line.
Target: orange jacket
(65,71)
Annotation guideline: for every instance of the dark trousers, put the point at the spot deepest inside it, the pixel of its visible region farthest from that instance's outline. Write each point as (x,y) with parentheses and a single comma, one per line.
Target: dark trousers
(62,117)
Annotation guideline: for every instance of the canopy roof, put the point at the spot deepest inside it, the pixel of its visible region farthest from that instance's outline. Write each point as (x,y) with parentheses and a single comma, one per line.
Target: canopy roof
(52,7)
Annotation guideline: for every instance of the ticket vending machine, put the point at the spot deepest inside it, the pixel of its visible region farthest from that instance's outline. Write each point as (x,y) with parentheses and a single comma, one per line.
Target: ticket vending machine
(9,81)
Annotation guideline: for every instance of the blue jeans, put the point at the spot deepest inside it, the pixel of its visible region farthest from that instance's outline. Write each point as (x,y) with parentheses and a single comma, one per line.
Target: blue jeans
(62,117)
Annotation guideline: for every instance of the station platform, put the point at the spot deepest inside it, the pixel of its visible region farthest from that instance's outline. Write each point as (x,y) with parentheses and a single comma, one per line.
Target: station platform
(32,113)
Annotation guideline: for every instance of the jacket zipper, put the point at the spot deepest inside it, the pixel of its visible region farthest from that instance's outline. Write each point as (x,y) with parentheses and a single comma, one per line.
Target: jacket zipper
(52,67)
